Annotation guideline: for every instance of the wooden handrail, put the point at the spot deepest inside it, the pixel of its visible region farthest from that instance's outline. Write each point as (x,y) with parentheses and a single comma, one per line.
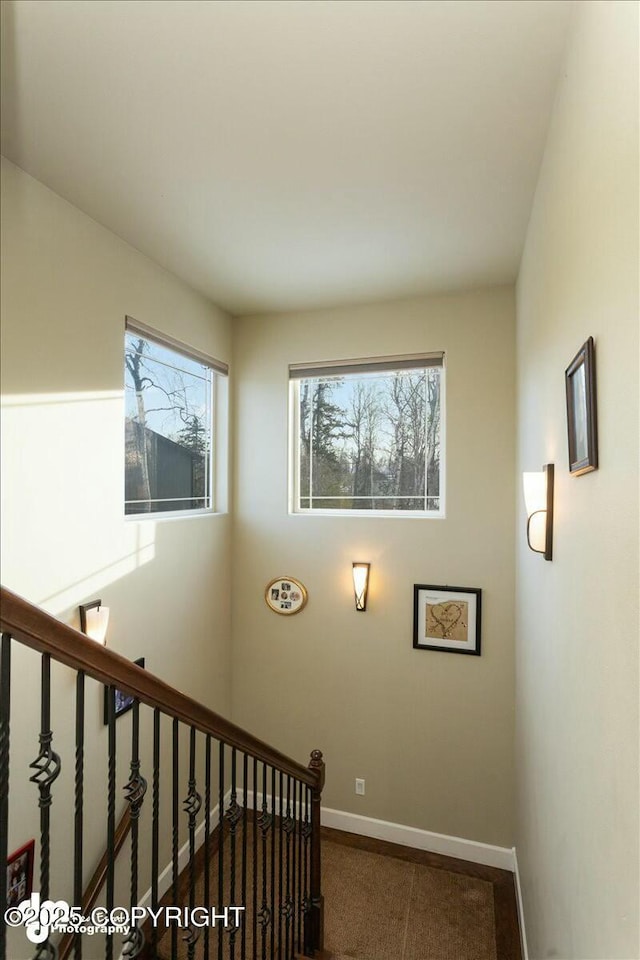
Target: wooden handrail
(90,896)
(42,632)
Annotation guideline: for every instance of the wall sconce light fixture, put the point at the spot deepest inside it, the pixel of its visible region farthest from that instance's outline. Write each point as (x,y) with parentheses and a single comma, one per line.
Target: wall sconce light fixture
(94,620)
(538,498)
(361,584)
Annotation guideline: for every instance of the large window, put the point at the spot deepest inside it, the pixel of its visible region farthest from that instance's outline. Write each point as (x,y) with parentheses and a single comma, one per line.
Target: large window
(169,417)
(368,436)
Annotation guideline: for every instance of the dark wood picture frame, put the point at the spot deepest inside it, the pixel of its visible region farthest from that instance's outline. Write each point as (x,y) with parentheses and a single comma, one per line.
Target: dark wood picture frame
(582,425)
(124,702)
(460,630)
(20,874)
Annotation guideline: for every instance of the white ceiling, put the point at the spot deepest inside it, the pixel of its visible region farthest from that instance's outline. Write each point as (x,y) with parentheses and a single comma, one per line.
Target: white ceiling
(281,154)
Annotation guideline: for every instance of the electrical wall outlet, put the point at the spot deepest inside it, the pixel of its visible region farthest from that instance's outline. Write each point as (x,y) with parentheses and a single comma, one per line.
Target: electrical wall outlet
(360,787)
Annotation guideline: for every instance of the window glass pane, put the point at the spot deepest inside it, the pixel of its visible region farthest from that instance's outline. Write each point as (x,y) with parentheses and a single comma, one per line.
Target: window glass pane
(370,441)
(168,408)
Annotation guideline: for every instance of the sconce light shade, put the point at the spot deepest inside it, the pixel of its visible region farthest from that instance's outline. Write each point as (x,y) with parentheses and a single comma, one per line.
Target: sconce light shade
(94,620)
(538,498)
(361,584)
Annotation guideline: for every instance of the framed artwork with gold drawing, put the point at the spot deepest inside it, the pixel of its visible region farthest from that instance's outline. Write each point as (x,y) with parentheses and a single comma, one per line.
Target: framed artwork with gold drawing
(447,618)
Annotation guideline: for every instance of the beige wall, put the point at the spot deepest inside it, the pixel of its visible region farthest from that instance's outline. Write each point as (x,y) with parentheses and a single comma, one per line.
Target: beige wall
(66,286)
(577,627)
(431,733)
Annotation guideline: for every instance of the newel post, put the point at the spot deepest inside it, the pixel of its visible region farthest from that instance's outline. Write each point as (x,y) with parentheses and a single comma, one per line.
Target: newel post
(316,765)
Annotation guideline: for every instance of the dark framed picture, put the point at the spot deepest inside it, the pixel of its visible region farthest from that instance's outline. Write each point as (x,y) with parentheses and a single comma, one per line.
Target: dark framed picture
(124,701)
(582,428)
(447,618)
(20,874)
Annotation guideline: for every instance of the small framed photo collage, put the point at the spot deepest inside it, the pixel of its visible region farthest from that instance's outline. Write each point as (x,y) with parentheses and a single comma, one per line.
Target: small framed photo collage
(285,595)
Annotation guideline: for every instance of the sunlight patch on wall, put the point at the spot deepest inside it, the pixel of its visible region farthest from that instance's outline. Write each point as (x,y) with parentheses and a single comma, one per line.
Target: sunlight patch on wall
(64,533)
(49,399)
(93,583)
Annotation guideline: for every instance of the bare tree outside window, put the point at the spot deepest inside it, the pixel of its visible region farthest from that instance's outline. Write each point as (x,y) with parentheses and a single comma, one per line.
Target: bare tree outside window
(168,429)
(370,441)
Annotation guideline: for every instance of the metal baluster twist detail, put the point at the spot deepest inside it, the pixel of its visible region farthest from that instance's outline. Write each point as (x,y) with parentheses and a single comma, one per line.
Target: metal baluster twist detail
(192,803)
(233,814)
(47,766)
(133,943)
(265,824)
(134,792)
(191,806)
(46,951)
(233,817)
(190,937)
(287,907)
(306,898)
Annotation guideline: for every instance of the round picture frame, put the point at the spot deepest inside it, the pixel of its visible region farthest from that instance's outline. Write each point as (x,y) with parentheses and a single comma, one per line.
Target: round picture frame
(286,596)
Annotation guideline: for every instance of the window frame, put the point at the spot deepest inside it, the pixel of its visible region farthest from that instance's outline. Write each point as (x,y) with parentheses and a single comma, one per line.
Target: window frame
(350,367)
(217,487)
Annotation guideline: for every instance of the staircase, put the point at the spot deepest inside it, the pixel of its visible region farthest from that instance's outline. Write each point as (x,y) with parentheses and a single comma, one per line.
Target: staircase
(193,813)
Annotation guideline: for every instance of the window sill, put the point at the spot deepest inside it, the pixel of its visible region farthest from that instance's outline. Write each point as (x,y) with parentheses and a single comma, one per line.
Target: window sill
(371,514)
(173,515)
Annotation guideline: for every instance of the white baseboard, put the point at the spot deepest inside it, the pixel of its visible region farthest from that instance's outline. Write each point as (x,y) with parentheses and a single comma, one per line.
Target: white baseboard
(472,850)
(523,932)
(458,847)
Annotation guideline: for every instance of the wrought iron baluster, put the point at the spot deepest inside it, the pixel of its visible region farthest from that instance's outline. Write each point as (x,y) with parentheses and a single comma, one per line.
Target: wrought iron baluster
(175,836)
(243,896)
(155,828)
(306,899)
(221,900)
(301,789)
(280,901)
(316,764)
(5,723)
(265,824)
(47,766)
(111,812)
(134,792)
(255,859)
(273,862)
(294,882)
(191,806)
(207,838)
(233,815)
(79,800)
(287,908)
